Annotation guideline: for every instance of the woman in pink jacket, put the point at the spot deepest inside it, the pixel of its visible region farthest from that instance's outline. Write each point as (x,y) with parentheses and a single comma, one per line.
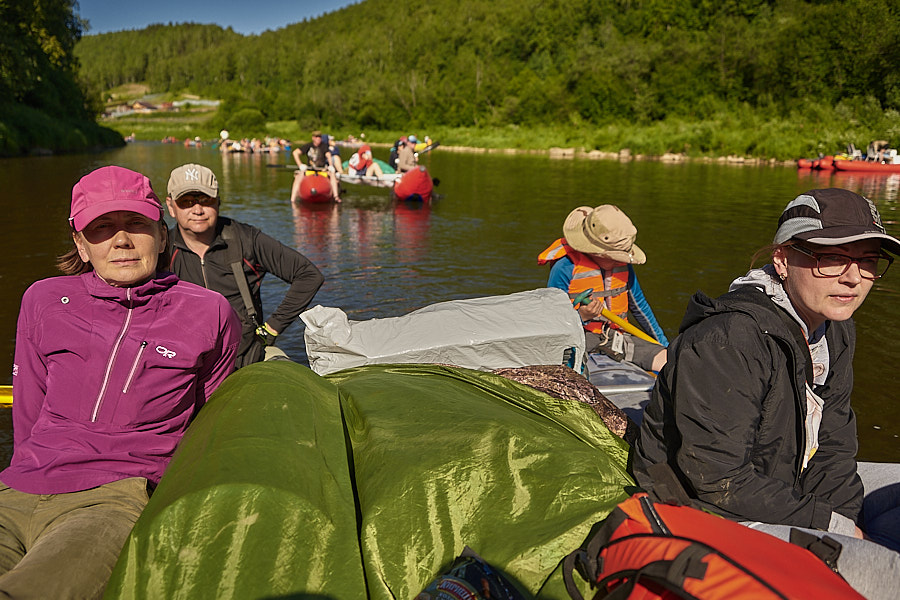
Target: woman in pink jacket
(111,364)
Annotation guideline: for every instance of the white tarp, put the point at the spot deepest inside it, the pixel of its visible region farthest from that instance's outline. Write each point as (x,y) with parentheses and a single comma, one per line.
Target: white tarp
(536,327)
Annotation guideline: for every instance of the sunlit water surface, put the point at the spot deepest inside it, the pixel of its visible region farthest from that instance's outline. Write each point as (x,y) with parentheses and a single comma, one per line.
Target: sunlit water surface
(698,223)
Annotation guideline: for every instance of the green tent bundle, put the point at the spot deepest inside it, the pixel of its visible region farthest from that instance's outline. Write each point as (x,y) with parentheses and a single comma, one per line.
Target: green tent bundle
(368,483)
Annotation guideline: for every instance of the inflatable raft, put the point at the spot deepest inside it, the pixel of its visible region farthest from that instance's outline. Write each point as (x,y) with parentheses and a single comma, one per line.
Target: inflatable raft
(315,187)
(415,185)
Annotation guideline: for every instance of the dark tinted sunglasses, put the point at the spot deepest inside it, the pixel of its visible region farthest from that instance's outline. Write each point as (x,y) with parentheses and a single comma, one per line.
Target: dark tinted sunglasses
(188,200)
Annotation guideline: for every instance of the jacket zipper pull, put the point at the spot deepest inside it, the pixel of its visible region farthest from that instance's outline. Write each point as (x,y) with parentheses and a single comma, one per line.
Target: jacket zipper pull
(134,366)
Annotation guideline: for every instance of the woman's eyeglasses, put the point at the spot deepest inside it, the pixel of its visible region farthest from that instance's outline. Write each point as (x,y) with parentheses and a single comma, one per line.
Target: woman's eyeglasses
(188,200)
(835,265)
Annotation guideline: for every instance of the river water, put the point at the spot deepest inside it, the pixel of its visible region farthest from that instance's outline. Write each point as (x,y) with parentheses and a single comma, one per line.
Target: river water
(698,223)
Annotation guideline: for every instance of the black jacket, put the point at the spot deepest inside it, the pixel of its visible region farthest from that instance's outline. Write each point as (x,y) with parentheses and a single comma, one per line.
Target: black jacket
(727,414)
(262,254)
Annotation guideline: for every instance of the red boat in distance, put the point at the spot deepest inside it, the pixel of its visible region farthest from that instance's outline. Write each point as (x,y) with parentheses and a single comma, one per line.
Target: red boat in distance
(316,187)
(826,163)
(866,166)
(414,185)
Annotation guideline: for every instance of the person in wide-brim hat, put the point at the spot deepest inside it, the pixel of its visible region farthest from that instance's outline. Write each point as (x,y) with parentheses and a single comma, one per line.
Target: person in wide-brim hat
(593,263)
(604,231)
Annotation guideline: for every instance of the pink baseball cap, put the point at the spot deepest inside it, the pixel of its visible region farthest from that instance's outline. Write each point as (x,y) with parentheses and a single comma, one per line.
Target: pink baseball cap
(109,189)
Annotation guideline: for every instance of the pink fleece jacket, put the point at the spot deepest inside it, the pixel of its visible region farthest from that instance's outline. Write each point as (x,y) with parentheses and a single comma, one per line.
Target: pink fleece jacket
(107,379)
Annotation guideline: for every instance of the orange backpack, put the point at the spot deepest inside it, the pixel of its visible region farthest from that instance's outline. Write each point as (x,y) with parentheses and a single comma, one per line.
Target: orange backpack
(646,549)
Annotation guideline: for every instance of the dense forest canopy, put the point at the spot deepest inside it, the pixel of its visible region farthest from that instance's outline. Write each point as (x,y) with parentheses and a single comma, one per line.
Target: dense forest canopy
(37,63)
(43,106)
(392,63)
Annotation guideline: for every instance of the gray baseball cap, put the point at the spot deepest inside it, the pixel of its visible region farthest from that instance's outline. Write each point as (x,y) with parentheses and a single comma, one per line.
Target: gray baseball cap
(832,217)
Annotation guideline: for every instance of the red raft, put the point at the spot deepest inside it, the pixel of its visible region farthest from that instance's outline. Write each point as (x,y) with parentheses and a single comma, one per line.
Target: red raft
(414,185)
(865,166)
(316,187)
(826,163)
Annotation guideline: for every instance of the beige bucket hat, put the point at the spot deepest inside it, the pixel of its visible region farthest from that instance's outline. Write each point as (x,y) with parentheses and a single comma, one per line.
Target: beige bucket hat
(604,230)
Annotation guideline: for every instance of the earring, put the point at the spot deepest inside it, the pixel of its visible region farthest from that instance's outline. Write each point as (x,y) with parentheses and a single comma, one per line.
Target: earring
(783,276)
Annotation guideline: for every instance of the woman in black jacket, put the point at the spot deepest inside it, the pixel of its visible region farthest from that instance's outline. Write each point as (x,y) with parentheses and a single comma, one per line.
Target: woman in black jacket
(752,410)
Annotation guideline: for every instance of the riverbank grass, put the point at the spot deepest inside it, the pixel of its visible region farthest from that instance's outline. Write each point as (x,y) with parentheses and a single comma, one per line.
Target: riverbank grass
(748,133)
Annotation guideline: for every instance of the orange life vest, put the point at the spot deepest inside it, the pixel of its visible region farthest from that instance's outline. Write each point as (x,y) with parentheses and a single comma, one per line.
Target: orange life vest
(586,275)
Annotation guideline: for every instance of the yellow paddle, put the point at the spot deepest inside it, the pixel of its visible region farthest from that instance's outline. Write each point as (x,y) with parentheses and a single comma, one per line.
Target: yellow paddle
(614,318)
(585,298)
(5,395)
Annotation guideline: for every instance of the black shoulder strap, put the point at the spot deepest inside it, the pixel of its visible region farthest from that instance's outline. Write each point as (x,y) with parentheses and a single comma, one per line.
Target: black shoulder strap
(666,486)
(827,549)
(235,254)
(795,329)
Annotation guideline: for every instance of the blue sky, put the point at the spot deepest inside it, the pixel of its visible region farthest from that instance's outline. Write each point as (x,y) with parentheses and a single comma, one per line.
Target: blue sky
(244,16)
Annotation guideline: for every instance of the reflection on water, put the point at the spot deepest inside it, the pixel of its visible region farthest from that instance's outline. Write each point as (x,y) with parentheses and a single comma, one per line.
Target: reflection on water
(698,223)
(885,186)
(411,230)
(317,230)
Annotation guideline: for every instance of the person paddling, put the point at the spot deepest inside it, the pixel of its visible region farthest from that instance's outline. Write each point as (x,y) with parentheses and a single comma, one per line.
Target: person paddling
(593,263)
(407,159)
(318,157)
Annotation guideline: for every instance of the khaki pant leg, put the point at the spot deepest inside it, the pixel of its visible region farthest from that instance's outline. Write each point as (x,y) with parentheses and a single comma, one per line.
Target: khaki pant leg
(78,538)
(16,509)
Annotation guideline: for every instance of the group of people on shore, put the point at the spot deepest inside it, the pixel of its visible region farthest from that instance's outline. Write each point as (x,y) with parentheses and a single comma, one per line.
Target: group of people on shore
(750,413)
(253,145)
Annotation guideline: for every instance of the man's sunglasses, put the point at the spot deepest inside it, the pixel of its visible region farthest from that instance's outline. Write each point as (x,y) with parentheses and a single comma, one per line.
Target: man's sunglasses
(188,200)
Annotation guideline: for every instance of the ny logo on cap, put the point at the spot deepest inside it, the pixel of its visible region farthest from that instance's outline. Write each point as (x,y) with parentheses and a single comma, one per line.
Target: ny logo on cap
(191,175)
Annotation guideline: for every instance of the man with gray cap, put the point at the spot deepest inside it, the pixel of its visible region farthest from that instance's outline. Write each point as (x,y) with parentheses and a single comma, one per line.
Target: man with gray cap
(232,258)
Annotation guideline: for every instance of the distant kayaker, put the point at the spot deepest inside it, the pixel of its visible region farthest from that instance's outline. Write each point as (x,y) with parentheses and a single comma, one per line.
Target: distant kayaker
(362,163)
(111,364)
(226,255)
(596,253)
(318,157)
(393,154)
(752,410)
(407,159)
(335,152)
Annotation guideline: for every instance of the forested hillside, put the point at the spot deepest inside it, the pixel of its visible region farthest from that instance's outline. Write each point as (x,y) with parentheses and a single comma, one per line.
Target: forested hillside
(41,103)
(390,63)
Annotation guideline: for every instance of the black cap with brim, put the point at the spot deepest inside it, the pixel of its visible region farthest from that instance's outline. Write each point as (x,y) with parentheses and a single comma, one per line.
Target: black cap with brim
(838,238)
(832,217)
